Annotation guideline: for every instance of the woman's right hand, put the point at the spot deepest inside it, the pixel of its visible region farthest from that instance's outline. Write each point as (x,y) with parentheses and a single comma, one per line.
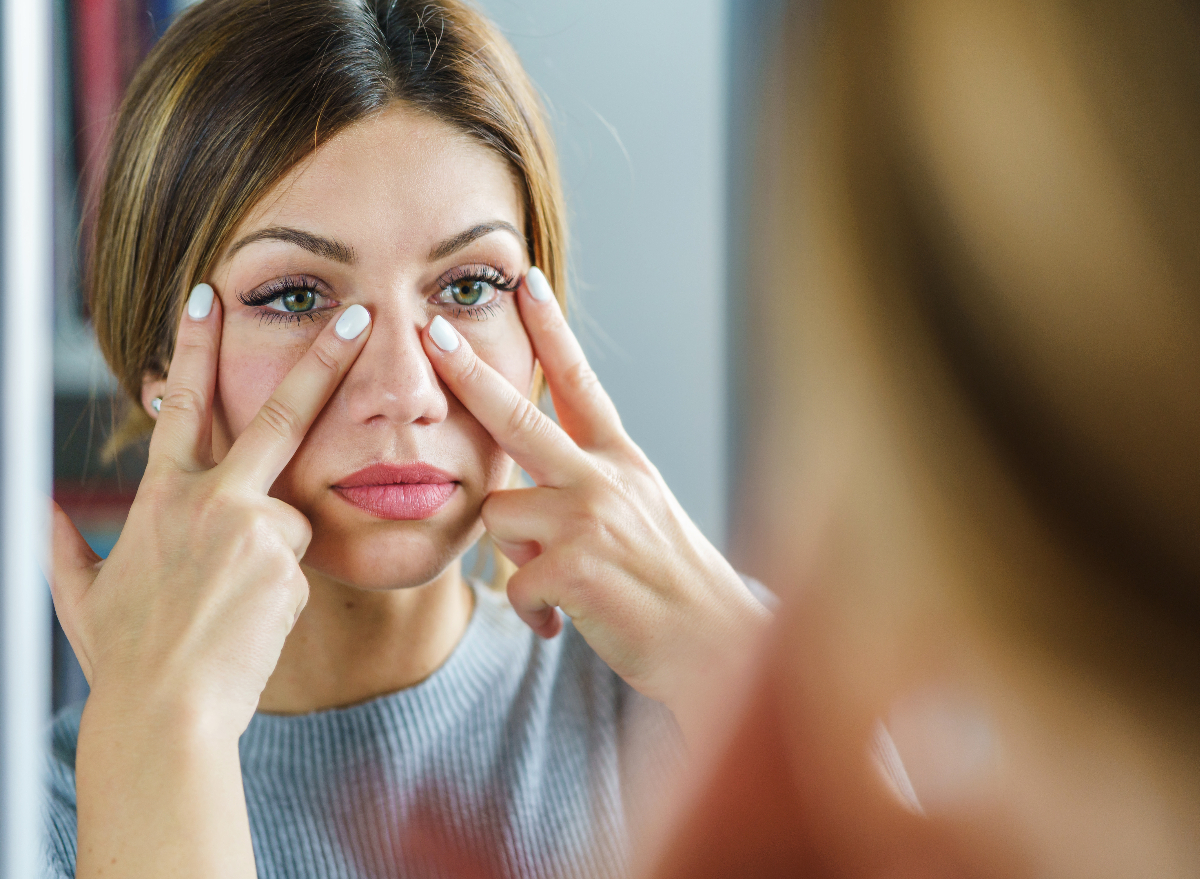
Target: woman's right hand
(188,614)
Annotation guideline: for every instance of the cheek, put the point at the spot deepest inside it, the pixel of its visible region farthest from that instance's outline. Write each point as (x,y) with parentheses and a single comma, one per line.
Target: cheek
(247,375)
(503,344)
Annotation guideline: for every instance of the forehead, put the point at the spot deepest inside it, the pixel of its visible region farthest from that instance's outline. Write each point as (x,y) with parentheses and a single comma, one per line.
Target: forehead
(401,179)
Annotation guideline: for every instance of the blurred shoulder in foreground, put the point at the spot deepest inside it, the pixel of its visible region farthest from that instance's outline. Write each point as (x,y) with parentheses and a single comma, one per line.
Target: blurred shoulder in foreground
(974,471)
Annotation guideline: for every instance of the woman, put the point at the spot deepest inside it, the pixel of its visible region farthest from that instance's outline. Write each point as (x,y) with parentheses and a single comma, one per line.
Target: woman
(974,473)
(289,672)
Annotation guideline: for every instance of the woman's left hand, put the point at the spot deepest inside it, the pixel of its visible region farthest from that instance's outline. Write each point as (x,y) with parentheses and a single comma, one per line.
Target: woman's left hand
(600,536)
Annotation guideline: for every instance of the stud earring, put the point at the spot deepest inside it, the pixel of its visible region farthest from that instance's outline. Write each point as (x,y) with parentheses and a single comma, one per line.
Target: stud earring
(156,404)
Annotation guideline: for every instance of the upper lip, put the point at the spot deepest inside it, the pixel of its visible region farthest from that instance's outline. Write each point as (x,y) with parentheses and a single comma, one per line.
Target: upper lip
(419,473)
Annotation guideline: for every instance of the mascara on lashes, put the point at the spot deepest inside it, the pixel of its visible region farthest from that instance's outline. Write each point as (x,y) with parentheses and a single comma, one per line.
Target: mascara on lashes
(280,287)
(273,290)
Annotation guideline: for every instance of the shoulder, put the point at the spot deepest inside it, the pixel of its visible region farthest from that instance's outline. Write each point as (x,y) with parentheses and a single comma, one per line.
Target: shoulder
(59,805)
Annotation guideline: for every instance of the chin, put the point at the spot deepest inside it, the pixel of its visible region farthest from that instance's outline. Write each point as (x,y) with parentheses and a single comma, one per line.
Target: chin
(390,555)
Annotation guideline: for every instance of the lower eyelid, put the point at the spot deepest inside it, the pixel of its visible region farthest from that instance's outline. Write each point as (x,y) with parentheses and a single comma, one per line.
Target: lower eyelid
(271,315)
(476,312)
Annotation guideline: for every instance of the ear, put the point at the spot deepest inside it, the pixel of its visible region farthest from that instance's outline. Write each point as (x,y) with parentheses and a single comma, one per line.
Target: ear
(153,385)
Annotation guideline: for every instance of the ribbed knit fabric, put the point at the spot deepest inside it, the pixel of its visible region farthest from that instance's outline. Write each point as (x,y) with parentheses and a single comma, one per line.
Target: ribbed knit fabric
(514,759)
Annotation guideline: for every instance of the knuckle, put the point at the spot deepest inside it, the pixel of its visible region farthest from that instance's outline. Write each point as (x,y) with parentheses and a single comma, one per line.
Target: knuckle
(247,525)
(159,488)
(581,379)
(303,527)
(472,372)
(596,524)
(552,321)
(607,482)
(183,399)
(283,575)
(325,354)
(192,341)
(635,460)
(492,511)
(526,419)
(299,532)
(297,587)
(279,417)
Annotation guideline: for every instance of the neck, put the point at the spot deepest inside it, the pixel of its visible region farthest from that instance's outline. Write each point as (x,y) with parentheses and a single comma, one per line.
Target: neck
(352,645)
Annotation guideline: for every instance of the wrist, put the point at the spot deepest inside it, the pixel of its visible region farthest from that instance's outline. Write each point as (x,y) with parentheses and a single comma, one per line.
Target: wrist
(145,719)
(159,788)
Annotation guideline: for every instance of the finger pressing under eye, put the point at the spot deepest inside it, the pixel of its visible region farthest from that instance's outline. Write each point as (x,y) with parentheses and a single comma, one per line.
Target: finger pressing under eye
(182,437)
(266,446)
(537,444)
(583,407)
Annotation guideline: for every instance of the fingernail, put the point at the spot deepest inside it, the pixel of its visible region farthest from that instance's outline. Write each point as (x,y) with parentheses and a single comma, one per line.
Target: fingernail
(200,302)
(539,287)
(352,322)
(443,334)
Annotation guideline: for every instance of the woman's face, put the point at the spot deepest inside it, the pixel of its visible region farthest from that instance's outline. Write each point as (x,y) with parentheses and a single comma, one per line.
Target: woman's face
(410,218)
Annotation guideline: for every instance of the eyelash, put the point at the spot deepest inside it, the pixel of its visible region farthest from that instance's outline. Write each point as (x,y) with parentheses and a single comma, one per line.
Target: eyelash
(502,282)
(273,290)
(269,292)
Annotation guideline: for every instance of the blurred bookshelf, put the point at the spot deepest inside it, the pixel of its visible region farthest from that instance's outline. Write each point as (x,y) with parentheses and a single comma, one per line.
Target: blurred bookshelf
(98,46)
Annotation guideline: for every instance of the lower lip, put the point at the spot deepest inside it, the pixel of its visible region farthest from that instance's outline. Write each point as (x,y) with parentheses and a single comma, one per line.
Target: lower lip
(407,501)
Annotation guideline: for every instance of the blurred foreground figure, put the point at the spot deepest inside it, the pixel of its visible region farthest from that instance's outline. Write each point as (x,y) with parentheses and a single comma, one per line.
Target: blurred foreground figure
(975,479)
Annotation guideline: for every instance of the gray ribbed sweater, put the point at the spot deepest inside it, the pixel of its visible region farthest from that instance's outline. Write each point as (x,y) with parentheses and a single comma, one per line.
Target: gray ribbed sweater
(513,759)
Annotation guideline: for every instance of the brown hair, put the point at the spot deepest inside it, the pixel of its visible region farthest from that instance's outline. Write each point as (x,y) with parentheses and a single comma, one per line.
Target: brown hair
(981,227)
(235,93)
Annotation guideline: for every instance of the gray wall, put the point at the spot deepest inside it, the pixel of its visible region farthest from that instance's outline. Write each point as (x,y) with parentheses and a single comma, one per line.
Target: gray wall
(637,100)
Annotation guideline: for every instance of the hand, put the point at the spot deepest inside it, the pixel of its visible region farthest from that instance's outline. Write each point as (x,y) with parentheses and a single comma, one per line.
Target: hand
(190,611)
(601,536)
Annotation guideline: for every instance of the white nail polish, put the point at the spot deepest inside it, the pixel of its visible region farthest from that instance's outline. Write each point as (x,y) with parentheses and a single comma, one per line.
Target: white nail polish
(352,322)
(200,302)
(539,287)
(156,404)
(443,334)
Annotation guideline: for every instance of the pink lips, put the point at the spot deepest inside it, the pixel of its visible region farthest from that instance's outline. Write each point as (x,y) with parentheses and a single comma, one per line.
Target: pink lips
(398,492)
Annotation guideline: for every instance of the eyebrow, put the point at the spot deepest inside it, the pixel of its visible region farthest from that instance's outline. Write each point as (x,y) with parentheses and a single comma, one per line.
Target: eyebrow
(329,248)
(462,239)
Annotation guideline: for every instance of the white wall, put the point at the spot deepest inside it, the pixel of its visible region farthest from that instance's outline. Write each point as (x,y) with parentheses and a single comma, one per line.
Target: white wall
(636,93)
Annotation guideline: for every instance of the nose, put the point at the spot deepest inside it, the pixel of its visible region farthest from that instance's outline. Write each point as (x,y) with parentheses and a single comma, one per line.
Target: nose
(392,380)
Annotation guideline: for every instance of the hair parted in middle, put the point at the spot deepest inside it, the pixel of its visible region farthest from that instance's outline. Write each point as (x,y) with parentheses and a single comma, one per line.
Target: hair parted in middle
(235,94)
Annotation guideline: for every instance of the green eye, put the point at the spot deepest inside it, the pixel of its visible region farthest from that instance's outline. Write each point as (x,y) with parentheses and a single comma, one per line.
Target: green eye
(469,292)
(299,300)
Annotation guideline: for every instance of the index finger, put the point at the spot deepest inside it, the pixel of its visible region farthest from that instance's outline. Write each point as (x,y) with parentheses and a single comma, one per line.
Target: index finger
(537,444)
(264,448)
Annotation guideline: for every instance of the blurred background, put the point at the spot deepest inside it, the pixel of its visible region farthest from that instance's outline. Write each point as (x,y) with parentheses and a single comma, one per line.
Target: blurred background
(652,105)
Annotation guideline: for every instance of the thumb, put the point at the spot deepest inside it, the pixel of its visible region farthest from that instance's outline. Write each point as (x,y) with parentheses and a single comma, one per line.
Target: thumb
(73,562)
